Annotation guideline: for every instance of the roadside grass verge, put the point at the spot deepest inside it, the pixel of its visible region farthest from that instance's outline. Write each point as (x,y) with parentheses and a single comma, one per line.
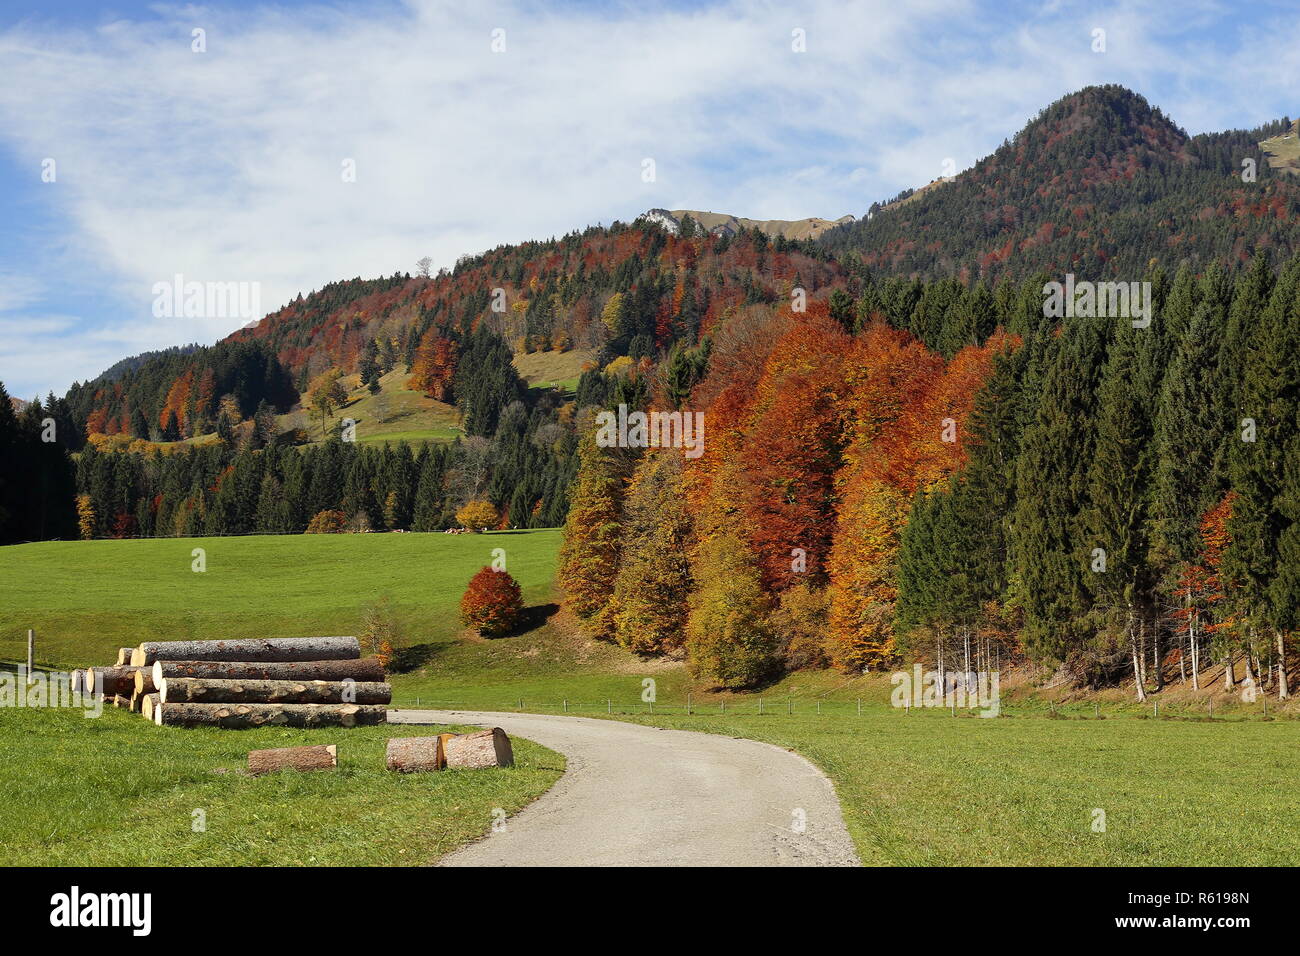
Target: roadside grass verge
(118,791)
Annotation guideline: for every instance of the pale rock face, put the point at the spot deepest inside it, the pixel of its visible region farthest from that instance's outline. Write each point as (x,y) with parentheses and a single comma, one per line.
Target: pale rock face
(722,224)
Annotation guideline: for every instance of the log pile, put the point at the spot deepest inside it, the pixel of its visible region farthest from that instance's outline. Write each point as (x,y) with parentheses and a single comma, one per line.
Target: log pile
(289,681)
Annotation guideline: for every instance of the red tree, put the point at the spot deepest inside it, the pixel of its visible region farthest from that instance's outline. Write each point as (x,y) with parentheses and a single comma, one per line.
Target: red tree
(492,603)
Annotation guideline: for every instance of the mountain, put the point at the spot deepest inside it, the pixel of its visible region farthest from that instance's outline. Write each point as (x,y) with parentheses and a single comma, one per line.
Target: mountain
(1099,183)
(627,290)
(722,224)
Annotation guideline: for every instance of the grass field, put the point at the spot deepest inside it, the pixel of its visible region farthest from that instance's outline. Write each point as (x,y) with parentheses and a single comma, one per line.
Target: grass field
(925,788)
(87,598)
(118,791)
(932,790)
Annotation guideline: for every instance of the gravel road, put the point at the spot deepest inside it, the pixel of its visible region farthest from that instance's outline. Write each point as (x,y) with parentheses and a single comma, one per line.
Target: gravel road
(641,796)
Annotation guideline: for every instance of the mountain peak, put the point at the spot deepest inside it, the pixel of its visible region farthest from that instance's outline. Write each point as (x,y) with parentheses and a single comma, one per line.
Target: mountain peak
(723,224)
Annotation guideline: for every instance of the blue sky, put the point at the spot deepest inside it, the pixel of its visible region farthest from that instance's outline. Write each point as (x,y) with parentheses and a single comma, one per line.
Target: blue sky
(227,165)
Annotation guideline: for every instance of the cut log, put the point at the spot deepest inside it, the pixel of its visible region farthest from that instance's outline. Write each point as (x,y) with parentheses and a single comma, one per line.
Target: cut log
(112,681)
(416,754)
(253,649)
(121,702)
(133,703)
(364,669)
(144,683)
(124,656)
(484,748)
(292,758)
(148,703)
(176,690)
(260,715)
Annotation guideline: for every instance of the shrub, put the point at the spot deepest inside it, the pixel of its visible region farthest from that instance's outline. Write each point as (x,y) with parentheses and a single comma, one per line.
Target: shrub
(378,631)
(492,604)
(477,515)
(327,522)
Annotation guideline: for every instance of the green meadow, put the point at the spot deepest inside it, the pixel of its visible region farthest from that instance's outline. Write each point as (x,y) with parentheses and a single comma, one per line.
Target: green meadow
(1059,778)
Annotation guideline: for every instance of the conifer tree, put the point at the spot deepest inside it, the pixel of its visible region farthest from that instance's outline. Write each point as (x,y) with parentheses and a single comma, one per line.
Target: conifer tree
(589,556)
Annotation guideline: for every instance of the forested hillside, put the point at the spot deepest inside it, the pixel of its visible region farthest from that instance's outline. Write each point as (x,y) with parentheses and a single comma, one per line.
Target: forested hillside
(640,299)
(1100,184)
(1083,491)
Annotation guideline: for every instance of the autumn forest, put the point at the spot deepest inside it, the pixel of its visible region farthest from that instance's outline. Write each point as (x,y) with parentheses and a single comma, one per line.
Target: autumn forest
(906,457)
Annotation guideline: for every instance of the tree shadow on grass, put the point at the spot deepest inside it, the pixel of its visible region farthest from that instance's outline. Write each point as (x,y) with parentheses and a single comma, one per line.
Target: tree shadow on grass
(417,655)
(534,617)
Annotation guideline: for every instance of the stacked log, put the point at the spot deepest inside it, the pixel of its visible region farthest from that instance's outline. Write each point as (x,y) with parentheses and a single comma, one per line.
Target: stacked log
(254,649)
(176,690)
(273,715)
(290,682)
(365,669)
(111,681)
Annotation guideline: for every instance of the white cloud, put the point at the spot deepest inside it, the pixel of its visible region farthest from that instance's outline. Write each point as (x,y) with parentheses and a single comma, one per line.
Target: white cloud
(225,165)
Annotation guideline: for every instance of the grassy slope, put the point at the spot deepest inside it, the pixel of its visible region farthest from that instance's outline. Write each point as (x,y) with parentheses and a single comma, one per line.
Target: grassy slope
(395,414)
(1283,152)
(927,788)
(117,791)
(558,370)
(399,414)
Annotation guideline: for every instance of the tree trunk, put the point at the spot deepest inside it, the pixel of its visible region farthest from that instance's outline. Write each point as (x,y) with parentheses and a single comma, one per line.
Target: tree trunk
(484,748)
(417,754)
(111,681)
(292,758)
(1155,654)
(1229,672)
(1282,690)
(1196,654)
(124,656)
(196,690)
(1137,664)
(259,715)
(121,702)
(364,669)
(149,703)
(254,649)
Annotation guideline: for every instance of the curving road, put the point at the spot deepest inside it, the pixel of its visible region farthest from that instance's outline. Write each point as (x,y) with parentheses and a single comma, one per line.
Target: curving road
(641,796)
